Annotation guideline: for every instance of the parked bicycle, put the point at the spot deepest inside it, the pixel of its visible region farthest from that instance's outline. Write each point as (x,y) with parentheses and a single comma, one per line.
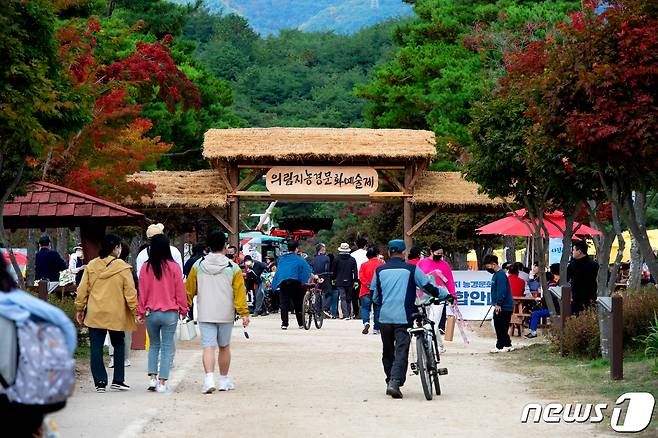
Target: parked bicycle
(312,304)
(427,350)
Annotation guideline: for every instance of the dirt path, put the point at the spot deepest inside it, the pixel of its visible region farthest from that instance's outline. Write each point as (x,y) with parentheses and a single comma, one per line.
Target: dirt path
(326,382)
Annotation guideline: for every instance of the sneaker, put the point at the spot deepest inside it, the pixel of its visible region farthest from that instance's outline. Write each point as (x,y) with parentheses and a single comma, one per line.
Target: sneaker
(393,389)
(531,335)
(327,314)
(225,384)
(442,350)
(209,385)
(348,318)
(126,363)
(496,350)
(153,383)
(301,327)
(119,386)
(508,349)
(111,364)
(375,332)
(100,388)
(163,389)
(284,327)
(366,328)
(442,332)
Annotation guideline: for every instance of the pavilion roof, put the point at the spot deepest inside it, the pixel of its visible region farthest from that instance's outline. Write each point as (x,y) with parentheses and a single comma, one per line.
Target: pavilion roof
(338,145)
(183,189)
(49,205)
(450,190)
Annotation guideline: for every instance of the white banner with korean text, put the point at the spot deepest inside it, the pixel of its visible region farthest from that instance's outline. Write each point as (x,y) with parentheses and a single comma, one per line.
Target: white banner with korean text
(473,294)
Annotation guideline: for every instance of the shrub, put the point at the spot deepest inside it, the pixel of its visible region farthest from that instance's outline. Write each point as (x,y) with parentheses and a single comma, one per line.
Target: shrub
(640,307)
(581,336)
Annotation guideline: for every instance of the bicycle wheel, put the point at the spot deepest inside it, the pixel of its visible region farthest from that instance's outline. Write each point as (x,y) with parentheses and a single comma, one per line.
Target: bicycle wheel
(423,369)
(318,317)
(433,365)
(307,312)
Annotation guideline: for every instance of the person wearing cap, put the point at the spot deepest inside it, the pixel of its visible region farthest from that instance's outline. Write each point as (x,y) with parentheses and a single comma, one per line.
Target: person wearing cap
(255,270)
(77,263)
(291,273)
(48,263)
(394,289)
(322,267)
(143,256)
(345,272)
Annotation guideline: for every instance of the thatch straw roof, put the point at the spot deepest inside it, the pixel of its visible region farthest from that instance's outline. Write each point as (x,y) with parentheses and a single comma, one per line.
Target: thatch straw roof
(283,144)
(199,189)
(449,189)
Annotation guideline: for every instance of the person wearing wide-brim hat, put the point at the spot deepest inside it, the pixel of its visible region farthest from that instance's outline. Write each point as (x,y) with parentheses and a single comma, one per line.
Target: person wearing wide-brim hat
(143,256)
(345,273)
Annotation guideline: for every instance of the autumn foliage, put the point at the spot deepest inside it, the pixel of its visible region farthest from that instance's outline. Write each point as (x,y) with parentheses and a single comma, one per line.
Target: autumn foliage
(115,142)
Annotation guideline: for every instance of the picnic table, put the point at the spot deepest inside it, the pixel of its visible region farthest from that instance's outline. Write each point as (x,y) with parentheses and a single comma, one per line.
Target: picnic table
(520,312)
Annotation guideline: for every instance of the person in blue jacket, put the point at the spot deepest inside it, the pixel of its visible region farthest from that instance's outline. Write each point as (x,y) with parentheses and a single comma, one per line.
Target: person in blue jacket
(394,289)
(292,272)
(501,297)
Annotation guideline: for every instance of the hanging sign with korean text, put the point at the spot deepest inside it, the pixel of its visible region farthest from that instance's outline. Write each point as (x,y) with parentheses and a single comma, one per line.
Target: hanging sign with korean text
(327,180)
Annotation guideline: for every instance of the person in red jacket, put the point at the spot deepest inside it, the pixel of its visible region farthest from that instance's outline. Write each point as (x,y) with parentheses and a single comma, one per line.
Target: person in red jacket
(366,272)
(516,284)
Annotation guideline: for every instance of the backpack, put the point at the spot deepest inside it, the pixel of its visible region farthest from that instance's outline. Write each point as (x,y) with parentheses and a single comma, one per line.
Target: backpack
(45,371)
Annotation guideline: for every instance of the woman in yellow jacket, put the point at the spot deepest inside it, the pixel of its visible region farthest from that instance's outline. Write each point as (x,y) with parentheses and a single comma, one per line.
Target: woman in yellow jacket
(106,302)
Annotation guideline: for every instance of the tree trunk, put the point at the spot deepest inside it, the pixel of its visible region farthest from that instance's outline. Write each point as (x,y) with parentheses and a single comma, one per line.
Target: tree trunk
(637,227)
(510,249)
(460,262)
(63,242)
(31,255)
(635,274)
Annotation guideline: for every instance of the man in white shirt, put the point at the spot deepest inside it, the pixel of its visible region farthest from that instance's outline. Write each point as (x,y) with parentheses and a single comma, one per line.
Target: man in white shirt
(143,256)
(360,254)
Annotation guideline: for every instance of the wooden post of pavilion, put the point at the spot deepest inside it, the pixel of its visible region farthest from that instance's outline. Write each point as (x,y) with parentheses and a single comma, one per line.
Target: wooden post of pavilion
(408,207)
(234,205)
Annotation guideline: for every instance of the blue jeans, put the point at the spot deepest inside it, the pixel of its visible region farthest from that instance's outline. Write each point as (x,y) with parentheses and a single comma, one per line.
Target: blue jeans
(534,318)
(366,303)
(161,327)
(334,301)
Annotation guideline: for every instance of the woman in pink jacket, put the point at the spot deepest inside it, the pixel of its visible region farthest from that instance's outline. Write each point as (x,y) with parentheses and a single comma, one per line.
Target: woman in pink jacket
(161,299)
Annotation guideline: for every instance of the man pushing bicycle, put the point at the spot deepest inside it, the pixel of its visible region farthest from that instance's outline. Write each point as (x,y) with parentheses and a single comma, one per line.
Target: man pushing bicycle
(394,289)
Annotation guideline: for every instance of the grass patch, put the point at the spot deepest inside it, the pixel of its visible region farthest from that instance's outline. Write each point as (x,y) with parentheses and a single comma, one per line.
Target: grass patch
(572,380)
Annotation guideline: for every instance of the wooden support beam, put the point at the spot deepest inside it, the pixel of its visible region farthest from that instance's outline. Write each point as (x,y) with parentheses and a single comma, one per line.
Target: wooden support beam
(249,180)
(318,198)
(421,222)
(221,220)
(420,168)
(269,166)
(230,188)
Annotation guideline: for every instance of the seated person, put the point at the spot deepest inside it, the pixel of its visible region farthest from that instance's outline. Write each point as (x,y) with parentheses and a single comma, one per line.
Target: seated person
(543,311)
(516,284)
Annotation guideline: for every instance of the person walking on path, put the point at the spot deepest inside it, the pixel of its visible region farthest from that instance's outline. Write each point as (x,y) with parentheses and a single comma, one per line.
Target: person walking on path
(255,270)
(292,273)
(219,286)
(366,273)
(360,256)
(394,288)
(48,263)
(198,250)
(501,297)
(143,256)
(345,273)
(162,298)
(321,267)
(581,274)
(107,302)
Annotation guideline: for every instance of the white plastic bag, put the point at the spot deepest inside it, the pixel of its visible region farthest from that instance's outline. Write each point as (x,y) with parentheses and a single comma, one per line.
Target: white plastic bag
(185,331)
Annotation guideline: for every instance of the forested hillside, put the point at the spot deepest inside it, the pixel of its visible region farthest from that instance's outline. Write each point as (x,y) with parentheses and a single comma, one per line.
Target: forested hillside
(340,16)
(294,79)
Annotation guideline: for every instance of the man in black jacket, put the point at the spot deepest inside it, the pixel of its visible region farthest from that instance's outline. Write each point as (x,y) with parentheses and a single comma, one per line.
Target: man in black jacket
(346,274)
(581,274)
(48,263)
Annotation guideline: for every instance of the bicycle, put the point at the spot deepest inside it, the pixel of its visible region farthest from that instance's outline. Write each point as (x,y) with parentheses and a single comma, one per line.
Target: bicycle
(427,351)
(312,305)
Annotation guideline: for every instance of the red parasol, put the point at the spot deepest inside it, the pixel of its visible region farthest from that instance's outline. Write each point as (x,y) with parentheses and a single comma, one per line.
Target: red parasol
(513,226)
